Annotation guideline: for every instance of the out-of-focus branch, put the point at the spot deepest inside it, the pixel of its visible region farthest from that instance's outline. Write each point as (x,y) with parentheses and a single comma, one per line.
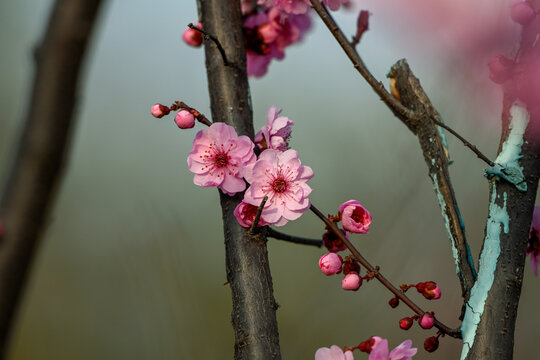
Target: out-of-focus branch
(293,239)
(248,271)
(42,150)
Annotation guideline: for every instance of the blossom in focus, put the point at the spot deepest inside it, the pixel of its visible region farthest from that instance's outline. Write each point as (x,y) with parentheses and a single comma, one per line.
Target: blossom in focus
(282,177)
(276,132)
(219,157)
(333,353)
(355,217)
(193,37)
(159,110)
(245,214)
(402,352)
(330,264)
(426,321)
(533,247)
(184,119)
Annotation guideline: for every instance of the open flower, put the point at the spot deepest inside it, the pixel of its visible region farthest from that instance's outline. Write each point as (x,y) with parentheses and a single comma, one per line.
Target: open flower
(282,177)
(333,353)
(276,132)
(355,217)
(219,157)
(402,352)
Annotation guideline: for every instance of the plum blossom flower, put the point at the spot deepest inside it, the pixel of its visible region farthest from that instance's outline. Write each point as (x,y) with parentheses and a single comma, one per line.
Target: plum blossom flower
(355,217)
(275,134)
(282,177)
(219,157)
(287,6)
(245,214)
(402,352)
(333,353)
(352,282)
(184,119)
(330,264)
(533,247)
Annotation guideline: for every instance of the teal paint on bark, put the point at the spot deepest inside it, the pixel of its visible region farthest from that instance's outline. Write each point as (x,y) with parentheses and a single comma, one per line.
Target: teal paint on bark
(507,162)
(498,218)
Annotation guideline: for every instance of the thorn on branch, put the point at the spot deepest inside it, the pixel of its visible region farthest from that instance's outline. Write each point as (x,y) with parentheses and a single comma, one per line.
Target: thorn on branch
(207,37)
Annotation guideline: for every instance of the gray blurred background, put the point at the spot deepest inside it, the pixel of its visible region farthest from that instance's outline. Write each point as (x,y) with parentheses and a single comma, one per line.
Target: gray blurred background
(132,262)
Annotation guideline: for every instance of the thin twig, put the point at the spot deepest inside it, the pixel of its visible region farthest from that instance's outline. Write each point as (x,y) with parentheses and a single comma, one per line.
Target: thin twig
(207,36)
(456,333)
(293,239)
(465,142)
(199,116)
(359,65)
(258,215)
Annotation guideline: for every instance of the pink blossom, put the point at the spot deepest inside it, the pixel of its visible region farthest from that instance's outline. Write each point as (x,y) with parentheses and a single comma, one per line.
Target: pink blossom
(282,177)
(184,119)
(355,217)
(334,4)
(500,68)
(287,6)
(352,281)
(193,37)
(276,132)
(219,158)
(426,321)
(159,110)
(533,247)
(330,264)
(402,352)
(333,353)
(522,12)
(245,214)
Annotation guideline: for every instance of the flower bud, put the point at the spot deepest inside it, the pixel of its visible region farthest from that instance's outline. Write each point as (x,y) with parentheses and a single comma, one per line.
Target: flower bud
(393,302)
(431,344)
(332,242)
(159,110)
(522,12)
(369,344)
(406,323)
(355,217)
(184,119)
(429,289)
(350,265)
(426,321)
(193,37)
(330,264)
(351,281)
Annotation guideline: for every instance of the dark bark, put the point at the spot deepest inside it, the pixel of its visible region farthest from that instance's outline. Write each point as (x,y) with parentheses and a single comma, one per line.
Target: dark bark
(248,272)
(42,150)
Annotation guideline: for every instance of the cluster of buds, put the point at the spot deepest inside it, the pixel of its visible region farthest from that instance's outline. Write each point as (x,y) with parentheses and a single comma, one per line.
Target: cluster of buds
(184,119)
(426,321)
(332,264)
(429,289)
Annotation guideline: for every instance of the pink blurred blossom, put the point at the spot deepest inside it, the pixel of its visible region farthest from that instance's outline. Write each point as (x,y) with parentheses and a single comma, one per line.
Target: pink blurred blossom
(193,37)
(282,177)
(402,352)
(533,247)
(184,119)
(330,264)
(219,157)
(355,217)
(245,214)
(275,134)
(352,281)
(522,12)
(333,353)
(288,6)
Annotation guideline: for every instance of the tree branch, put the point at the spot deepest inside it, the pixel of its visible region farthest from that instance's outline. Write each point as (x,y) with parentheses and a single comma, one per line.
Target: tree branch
(270,232)
(42,149)
(248,271)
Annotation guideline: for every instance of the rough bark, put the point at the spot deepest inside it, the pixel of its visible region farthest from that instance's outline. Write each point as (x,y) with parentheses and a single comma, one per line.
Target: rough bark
(248,272)
(41,153)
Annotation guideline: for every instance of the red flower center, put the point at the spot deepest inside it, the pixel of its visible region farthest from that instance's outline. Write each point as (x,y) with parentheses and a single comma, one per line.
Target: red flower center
(221,159)
(279,185)
(358,215)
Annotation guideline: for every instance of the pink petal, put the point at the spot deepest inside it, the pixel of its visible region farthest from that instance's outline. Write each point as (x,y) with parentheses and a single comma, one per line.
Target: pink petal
(232,185)
(379,351)
(207,180)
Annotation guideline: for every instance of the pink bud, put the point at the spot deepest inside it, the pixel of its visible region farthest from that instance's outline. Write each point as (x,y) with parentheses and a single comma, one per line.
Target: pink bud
(193,37)
(184,119)
(355,217)
(500,69)
(522,12)
(330,264)
(159,110)
(406,323)
(426,321)
(431,344)
(429,289)
(351,281)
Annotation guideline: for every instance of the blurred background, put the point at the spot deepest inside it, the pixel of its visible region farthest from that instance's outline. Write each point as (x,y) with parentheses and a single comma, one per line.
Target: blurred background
(132,262)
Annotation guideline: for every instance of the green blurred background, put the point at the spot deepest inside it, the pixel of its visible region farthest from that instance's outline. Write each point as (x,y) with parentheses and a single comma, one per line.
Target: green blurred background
(132,262)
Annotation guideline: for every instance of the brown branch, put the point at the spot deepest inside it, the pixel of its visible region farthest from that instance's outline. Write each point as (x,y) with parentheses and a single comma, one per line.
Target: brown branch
(359,65)
(42,150)
(248,272)
(464,141)
(456,333)
(207,37)
(258,215)
(199,116)
(270,232)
